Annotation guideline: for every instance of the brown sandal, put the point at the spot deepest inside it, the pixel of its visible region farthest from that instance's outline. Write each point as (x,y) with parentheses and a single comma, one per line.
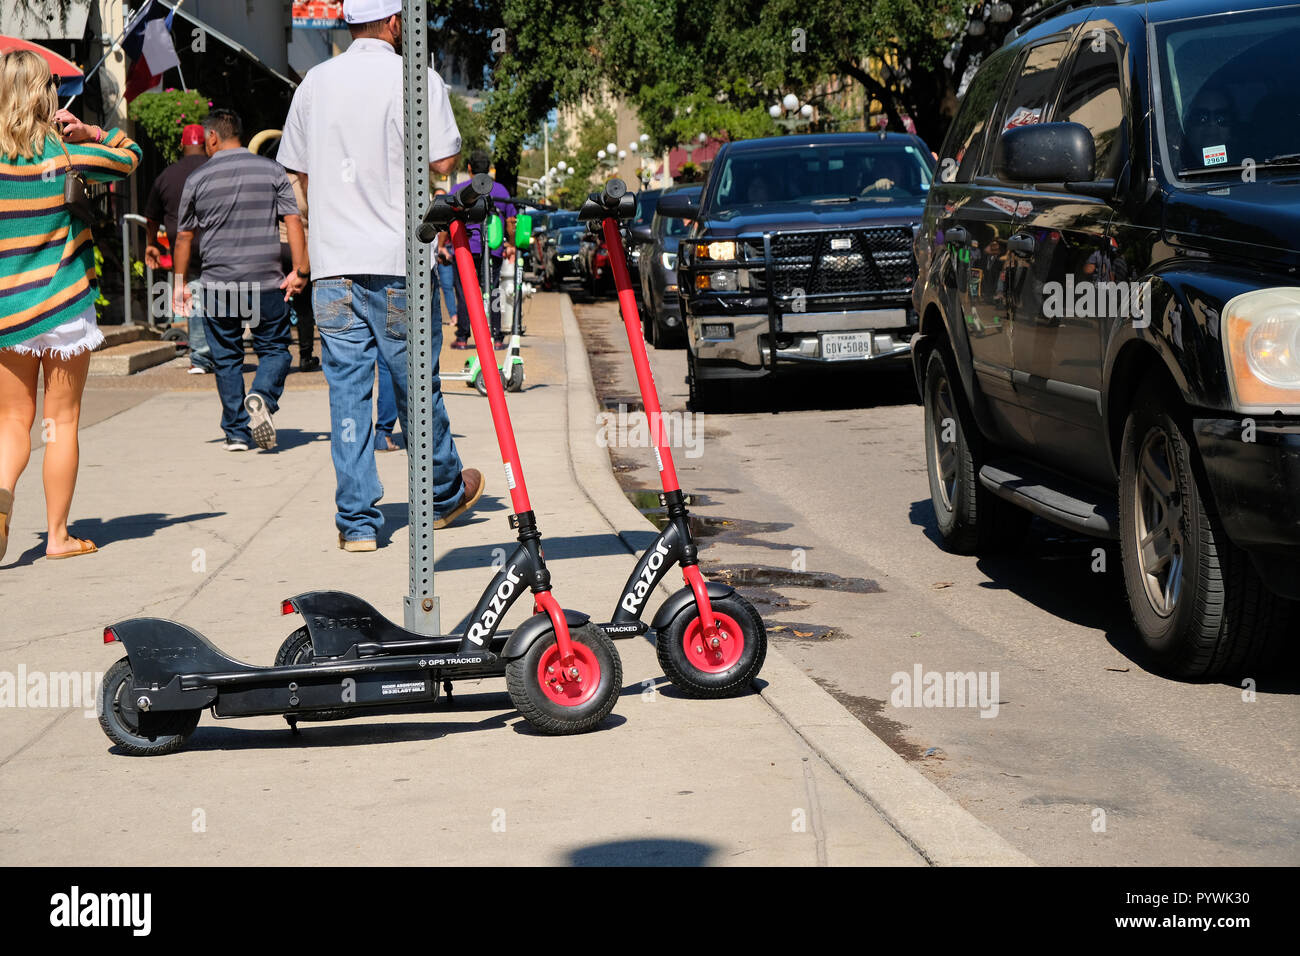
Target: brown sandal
(6,506)
(83,547)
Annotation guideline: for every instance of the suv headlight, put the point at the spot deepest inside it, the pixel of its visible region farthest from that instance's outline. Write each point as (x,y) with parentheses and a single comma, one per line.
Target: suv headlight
(1261,342)
(669,259)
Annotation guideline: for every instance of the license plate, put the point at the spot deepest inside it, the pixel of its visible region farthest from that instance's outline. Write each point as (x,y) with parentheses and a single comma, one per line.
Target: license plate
(846,345)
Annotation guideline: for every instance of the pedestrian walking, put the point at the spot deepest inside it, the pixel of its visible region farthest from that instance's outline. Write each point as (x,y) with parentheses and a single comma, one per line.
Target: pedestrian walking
(161,208)
(345,134)
(47,283)
(302,315)
(235,200)
(481,162)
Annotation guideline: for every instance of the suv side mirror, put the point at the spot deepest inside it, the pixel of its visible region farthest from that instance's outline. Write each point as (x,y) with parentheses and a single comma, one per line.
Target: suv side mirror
(641,233)
(1047,153)
(678,206)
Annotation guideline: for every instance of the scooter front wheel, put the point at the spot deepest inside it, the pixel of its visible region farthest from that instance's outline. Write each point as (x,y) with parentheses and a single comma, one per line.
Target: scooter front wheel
(515,383)
(701,668)
(119,716)
(555,699)
(480,383)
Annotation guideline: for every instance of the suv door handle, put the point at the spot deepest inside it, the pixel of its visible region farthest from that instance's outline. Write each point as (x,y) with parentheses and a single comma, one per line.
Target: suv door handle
(1022,244)
(956,234)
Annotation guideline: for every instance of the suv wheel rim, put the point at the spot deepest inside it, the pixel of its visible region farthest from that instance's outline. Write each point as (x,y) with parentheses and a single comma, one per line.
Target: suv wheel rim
(945,452)
(1158,524)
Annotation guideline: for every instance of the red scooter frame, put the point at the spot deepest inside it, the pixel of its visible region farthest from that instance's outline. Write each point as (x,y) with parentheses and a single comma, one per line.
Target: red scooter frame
(711,641)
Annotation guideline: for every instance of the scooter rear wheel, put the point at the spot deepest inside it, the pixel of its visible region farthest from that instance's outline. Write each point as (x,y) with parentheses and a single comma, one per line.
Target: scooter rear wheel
(571,706)
(297,649)
(120,718)
(697,669)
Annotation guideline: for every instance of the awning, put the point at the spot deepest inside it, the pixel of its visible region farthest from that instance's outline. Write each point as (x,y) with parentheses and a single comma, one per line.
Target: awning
(70,76)
(233,44)
(45,19)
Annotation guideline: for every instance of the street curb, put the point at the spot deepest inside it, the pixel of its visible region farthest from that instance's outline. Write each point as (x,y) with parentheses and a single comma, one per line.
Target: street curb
(934,824)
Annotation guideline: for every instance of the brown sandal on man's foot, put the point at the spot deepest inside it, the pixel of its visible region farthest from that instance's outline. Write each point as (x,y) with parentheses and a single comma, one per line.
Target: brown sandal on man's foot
(83,547)
(6,506)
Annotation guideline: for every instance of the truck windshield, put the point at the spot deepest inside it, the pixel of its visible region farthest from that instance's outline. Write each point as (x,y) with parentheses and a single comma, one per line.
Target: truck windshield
(1229,102)
(850,172)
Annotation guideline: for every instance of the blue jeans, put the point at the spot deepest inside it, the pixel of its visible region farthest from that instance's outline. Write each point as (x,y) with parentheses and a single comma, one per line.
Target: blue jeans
(445,281)
(270,342)
(359,317)
(385,405)
(200,354)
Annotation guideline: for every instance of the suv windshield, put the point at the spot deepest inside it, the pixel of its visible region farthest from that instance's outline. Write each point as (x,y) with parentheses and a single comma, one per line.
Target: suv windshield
(851,172)
(1228,96)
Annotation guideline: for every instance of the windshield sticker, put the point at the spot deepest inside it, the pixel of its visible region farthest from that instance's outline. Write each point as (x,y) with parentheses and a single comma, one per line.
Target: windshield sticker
(1023,116)
(1007,206)
(1214,155)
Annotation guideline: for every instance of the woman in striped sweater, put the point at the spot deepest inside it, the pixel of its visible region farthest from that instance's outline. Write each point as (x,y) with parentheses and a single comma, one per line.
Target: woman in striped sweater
(47,271)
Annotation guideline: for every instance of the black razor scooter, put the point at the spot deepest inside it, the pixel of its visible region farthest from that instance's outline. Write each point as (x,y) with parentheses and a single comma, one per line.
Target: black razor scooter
(562,672)
(711,641)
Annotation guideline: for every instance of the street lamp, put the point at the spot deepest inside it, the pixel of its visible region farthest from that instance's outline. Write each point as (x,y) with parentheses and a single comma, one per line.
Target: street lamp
(789,115)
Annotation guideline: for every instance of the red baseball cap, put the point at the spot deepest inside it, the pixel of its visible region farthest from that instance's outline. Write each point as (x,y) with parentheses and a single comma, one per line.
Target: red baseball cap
(192,135)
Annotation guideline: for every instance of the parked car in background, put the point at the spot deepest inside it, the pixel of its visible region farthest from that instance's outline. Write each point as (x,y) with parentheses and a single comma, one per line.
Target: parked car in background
(800,256)
(1110,313)
(555,221)
(661,308)
(562,254)
(593,264)
(639,233)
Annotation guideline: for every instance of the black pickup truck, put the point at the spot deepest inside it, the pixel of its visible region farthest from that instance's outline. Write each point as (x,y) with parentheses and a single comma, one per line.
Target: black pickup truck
(1110,312)
(800,256)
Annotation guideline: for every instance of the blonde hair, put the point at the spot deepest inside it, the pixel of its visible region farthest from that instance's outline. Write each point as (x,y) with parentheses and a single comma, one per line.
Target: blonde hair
(28,102)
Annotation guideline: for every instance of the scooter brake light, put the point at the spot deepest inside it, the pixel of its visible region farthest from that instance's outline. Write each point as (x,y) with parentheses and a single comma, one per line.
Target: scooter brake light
(286,607)
(109,636)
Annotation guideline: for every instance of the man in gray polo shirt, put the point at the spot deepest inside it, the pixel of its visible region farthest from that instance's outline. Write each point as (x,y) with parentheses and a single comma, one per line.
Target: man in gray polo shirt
(235,201)
(345,135)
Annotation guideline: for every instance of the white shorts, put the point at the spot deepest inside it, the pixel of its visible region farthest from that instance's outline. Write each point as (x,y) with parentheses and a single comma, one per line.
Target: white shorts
(67,340)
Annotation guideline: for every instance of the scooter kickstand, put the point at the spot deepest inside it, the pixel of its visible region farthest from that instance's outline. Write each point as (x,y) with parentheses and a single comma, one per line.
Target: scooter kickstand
(293,724)
(446,689)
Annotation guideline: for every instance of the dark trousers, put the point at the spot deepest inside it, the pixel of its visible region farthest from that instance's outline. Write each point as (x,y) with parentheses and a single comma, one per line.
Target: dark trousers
(300,305)
(270,324)
(494,315)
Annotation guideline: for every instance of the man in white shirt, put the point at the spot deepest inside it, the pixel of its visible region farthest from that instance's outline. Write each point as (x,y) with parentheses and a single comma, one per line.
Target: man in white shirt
(345,136)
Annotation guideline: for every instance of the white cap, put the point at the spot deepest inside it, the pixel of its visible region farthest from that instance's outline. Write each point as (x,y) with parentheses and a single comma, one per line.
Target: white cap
(367,11)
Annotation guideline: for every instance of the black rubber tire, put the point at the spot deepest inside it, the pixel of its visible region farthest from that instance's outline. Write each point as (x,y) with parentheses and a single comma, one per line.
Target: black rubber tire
(547,717)
(1225,621)
(973,520)
(737,679)
(297,649)
(705,396)
(116,717)
(515,381)
(480,384)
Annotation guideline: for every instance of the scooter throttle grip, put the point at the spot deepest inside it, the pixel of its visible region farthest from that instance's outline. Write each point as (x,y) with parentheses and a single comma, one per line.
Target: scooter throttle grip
(439,214)
(613,192)
(593,210)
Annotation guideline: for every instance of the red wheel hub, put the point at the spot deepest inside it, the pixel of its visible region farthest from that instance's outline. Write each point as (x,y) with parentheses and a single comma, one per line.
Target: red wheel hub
(714,653)
(559,681)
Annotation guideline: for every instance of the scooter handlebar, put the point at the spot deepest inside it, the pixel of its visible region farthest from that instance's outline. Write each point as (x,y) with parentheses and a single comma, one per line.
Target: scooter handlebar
(531,203)
(469,204)
(612,202)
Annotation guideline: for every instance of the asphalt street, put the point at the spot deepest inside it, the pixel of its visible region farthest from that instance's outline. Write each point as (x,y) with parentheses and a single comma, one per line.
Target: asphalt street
(812,497)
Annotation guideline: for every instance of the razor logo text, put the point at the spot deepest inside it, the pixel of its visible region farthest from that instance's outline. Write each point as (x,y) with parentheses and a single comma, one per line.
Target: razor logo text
(633,598)
(500,601)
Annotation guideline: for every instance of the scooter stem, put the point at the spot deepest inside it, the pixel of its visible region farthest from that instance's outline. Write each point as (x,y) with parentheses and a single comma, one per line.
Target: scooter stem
(495,393)
(644,377)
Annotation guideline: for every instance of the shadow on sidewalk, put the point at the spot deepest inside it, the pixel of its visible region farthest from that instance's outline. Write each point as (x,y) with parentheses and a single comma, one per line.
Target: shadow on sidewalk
(114,530)
(647,851)
(557,548)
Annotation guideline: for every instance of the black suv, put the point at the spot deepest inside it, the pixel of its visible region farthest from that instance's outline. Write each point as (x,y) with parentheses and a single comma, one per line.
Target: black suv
(1110,312)
(800,255)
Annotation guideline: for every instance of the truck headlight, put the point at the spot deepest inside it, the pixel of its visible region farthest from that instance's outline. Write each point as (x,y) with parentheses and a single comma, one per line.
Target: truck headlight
(1261,342)
(724,280)
(716,251)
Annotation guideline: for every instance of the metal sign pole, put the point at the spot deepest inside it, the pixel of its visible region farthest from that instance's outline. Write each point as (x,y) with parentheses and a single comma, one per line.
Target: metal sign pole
(421,603)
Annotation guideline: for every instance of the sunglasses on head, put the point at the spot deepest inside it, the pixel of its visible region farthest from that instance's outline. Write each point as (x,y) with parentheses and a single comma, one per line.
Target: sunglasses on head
(1206,117)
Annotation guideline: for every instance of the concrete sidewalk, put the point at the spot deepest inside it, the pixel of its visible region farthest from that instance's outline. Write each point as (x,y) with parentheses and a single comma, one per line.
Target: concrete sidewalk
(191,532)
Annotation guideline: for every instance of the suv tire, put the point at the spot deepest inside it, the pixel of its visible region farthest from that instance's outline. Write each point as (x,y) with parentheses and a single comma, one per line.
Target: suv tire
(970,518)
(1199,606)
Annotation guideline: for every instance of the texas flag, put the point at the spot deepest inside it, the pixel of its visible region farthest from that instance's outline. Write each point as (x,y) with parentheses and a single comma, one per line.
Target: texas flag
(148,41)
